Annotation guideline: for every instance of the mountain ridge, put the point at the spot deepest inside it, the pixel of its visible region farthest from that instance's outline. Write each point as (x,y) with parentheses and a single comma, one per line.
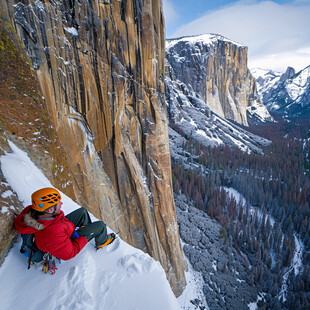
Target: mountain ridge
(286,94)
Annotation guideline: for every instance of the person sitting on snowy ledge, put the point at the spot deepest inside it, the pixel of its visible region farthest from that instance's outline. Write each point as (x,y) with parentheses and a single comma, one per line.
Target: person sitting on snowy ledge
(61,236)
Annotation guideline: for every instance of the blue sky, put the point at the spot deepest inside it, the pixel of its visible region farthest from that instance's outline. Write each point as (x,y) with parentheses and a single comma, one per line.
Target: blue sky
(276,32)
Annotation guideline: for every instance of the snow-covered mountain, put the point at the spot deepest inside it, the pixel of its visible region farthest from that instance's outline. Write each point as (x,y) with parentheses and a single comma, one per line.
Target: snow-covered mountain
(215,68)
(286,94)
(210,91)
(265,79)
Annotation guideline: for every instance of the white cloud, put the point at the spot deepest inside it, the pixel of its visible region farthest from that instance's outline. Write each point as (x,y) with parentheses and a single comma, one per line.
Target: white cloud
(276,34)
(279,62)
(170,12)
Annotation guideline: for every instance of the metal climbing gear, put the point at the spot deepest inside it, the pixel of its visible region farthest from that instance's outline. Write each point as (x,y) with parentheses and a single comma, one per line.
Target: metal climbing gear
(49,264)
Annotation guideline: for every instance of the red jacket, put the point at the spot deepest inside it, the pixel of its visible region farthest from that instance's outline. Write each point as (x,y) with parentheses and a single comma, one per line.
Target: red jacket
(55,237)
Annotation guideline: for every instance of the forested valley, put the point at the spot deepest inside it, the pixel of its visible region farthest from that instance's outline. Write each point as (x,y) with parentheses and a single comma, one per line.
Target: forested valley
(271,228)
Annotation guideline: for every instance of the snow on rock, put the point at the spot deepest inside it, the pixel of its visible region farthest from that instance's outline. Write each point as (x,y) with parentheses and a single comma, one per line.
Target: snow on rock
(287,93)
(259,111)
(265,79)
(298,85)
(191,103)
(73,31)
(207,38)
(4,209)
(6,194)
(193,296)
(117,277)
(191,116)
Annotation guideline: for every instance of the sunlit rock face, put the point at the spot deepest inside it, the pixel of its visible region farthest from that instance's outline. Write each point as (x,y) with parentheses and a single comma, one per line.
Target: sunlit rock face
(100,65)
(216,69)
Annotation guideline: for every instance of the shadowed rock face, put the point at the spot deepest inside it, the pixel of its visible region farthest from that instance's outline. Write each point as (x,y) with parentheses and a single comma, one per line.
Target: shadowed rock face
(216,69)
(24,122)
(100,66)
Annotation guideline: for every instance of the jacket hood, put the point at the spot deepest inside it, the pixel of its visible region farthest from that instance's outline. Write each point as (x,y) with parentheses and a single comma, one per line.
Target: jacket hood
(31,222)
(26,224)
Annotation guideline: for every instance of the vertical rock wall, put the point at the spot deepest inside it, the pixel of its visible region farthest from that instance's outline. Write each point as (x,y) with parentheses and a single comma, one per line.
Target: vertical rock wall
(24,121)
(229,82)
(100,65)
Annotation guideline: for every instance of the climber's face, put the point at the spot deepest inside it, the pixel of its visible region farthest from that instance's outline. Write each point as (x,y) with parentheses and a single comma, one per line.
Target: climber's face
(58,207)
(55,210)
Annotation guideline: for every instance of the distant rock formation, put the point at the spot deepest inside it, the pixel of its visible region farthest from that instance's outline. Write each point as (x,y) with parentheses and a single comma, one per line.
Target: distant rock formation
(100,65)
(285,94)
(216,69)
(287,74)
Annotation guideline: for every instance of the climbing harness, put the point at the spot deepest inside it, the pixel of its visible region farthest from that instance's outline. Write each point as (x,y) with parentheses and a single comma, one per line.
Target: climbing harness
(34,255)
(49,264)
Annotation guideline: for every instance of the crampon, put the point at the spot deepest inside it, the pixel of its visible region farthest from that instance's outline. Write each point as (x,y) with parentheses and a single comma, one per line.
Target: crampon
(111,238)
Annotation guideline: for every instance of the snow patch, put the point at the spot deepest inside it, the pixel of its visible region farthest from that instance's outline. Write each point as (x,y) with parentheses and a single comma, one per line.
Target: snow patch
(7,194)
(208,38)
(193,290)
(73,31)
(4,210)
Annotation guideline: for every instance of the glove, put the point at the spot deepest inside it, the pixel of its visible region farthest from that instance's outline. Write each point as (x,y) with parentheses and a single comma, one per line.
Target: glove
(75,235)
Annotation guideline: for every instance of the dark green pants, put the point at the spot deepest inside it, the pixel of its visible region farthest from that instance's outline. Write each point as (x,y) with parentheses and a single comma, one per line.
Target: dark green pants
(97,230)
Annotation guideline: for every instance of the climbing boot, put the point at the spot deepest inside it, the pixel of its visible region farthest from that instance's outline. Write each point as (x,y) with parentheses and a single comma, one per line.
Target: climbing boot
(111,238)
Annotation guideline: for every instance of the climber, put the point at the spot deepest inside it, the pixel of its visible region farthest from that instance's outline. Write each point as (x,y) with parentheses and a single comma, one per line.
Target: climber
(59,235)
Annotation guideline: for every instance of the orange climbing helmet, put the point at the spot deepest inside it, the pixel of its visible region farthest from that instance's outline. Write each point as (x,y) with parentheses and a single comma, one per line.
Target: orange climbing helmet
(45,198)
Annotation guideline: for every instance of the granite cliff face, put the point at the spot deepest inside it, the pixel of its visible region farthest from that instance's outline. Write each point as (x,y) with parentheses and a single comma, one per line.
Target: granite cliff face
(25,122)
(100,65)
(216,69)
